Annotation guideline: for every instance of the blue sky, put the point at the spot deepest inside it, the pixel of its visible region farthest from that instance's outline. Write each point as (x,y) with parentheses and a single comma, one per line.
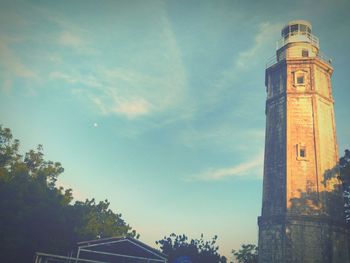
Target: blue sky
(158,106)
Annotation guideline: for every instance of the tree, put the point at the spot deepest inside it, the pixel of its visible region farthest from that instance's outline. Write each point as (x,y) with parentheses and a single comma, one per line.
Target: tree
(344,165)
(248,253)
(180,249)
(98,221)
(36,215)
(30,206)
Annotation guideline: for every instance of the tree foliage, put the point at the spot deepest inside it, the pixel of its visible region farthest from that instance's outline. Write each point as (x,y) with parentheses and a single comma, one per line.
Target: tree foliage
(344,165)
(36,215)
(248,253)
(97,220)
(179,247)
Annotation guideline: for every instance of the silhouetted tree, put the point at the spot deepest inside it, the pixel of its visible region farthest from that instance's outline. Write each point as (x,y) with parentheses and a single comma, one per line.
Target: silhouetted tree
(344,165)
(35,215)
(180,249)
(98,221)
(248,253)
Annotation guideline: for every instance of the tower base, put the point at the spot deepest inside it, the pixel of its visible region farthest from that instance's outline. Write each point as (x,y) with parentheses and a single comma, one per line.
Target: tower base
(302,239)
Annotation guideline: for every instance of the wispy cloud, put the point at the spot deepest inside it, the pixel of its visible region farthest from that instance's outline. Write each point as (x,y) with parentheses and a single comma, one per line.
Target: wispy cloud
(88,80)
(150,79)
(73,40)
(235,79)
(69,34)
(107,90)
(69,39)
(136,88)
(131,108)
(136,107)
(254,55)
(251,168)
(123,92)
(12,65)
(266,35)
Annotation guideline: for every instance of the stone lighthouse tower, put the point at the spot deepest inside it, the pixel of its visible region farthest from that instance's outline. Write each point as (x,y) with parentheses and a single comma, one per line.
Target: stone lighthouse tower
(302,217)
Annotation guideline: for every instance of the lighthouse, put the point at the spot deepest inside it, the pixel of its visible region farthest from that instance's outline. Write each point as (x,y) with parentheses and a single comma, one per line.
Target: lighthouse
(302,218)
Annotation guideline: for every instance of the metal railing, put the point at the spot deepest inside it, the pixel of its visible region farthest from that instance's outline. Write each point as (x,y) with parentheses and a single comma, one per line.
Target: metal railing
(324,58)
(298,37)
(271,61)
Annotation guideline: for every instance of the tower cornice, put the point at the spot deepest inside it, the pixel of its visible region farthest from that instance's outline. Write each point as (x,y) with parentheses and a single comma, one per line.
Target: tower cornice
(299,94)
(322,63)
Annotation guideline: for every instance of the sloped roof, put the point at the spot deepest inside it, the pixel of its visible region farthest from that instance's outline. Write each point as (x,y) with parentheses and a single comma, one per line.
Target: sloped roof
(107,249)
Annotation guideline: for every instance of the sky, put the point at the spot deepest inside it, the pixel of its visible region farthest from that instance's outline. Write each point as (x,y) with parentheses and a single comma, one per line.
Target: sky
(158,106)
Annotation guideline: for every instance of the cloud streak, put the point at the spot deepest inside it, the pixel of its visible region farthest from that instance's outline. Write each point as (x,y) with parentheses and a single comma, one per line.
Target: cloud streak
(13,66)
(69,39)
(76,78)
(249,57)
(135,88)
(266,35)
(246,169)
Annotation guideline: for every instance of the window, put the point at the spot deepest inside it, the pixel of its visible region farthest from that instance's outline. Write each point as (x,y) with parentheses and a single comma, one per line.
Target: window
(285,31)
(301,151)
(305,53)
(303,28)
(300,80)
(294,29)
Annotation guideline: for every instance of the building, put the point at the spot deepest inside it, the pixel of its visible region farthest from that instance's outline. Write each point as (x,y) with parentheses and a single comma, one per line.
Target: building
(107,250)
(302,216)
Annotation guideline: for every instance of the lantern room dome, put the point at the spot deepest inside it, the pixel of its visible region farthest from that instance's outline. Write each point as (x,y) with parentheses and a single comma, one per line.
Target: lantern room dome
(297,27)
(297,31)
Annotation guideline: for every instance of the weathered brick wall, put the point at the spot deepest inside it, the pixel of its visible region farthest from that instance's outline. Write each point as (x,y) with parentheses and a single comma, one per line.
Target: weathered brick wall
(315,240)
(301,171)
(302,239)
(275,150)
(271,241)
(274,169)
